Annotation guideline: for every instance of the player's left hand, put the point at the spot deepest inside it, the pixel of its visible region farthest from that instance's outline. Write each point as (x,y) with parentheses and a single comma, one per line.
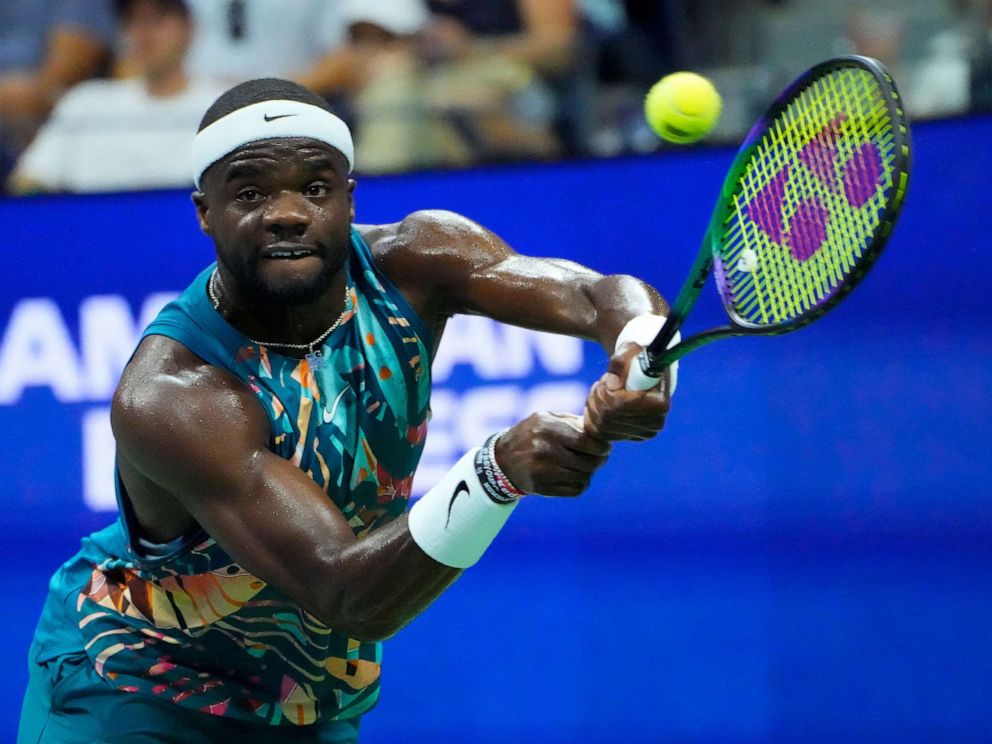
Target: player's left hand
(614,413)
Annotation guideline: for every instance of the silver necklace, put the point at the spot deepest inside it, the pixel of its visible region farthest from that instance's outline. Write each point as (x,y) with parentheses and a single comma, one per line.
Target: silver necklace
(314,356)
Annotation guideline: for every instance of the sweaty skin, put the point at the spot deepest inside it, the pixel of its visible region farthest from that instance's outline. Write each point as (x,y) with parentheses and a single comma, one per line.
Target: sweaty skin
(295,195)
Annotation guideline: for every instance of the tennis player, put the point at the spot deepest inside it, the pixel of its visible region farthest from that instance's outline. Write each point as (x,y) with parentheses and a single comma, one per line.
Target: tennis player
(268,428)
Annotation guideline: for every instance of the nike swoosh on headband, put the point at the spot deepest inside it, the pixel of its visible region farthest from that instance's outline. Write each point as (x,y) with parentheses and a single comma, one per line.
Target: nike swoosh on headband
(277,116)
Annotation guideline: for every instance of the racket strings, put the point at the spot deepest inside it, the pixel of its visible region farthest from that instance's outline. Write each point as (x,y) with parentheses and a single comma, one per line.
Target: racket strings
(810,200)
(805,234)
(806,289)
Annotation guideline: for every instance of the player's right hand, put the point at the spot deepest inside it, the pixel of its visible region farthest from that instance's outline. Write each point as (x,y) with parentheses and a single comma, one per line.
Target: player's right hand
(550,454)
(615,413)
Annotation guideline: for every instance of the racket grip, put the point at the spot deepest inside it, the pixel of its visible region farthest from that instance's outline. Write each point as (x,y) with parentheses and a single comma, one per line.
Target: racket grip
(640,375)
(637,375)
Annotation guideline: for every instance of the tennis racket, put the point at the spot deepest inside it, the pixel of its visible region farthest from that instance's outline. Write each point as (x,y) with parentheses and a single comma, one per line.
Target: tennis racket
(804,212)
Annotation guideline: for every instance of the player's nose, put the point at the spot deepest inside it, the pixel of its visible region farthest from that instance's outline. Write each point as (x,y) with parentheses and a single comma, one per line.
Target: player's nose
(287,214)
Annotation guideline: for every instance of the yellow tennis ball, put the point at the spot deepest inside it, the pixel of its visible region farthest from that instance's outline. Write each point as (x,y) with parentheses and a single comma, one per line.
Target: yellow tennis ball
(682,107)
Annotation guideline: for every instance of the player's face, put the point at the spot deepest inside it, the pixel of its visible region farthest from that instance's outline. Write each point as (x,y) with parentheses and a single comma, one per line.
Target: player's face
(280,214)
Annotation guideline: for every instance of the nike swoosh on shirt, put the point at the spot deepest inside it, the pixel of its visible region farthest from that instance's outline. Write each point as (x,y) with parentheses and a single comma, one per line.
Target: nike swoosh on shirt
(461,487)
(277,116)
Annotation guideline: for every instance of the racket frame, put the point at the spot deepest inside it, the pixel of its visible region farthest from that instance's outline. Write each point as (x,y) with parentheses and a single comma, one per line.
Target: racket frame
(657,356)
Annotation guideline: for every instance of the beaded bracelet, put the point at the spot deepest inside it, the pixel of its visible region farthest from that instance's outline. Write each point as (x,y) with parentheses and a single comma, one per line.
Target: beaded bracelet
(494,482)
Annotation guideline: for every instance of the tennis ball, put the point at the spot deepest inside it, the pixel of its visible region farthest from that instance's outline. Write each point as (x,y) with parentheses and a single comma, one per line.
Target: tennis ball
(682,107)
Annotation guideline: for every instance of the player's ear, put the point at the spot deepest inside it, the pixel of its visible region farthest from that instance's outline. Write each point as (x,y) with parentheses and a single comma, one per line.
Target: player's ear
(202,211)
(351,196)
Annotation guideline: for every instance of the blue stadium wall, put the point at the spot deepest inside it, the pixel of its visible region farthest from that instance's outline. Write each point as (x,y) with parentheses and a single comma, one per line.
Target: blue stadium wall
(802,555)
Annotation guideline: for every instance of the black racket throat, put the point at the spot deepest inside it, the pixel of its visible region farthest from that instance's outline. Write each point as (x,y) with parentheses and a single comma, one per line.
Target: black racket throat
(655,363)
(657,352)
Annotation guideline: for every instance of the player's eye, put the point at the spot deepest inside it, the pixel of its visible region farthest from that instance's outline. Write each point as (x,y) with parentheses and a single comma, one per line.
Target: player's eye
(317,190)
(249,196)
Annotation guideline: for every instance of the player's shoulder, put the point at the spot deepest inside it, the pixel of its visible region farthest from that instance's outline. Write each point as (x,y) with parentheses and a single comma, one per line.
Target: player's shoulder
(438,223)
(172,407)
(427,234)
(166,383)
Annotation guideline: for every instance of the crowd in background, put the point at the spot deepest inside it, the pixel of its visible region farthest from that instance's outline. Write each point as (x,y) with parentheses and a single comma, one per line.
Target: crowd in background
(105,95)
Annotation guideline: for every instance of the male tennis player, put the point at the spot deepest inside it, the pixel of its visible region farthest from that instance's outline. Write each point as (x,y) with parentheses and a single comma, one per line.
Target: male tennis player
(268,428)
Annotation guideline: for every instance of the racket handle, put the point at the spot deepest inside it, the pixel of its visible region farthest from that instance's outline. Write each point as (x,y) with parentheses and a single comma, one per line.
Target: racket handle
(645,330)
(638,377)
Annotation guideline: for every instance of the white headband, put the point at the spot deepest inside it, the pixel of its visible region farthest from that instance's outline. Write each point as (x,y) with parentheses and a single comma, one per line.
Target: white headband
(267,120)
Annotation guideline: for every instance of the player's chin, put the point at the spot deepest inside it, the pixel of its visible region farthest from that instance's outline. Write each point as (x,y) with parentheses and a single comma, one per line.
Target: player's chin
(294,281)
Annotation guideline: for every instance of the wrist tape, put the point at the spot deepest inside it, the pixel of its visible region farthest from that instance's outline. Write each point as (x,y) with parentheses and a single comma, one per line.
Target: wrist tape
(642,330)
(456,520)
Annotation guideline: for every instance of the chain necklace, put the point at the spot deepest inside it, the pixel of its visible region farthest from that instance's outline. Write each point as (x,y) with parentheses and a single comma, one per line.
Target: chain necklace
(314,356)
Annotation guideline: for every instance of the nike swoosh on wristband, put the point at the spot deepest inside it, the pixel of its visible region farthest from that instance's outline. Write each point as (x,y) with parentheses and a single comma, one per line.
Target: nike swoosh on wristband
(462,486)
(277,116)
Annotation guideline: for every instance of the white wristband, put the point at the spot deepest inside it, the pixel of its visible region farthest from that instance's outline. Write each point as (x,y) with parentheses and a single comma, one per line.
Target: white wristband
(456,521)
(642,330)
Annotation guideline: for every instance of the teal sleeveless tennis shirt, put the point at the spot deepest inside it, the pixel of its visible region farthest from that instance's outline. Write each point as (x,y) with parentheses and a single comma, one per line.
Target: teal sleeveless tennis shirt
(193,626)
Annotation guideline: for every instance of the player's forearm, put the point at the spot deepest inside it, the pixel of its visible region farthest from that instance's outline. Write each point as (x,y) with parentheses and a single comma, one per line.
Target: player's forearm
(555,296)
(367,587)
(375,586)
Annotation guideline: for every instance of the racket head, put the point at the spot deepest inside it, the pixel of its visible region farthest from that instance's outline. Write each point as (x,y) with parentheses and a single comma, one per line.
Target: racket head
(812,196)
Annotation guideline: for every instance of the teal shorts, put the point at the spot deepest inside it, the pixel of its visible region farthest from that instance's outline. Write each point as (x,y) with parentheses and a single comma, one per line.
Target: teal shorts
(68,703)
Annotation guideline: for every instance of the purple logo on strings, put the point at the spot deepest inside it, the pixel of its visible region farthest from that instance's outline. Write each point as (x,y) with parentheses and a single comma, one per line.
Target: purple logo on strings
(805,232)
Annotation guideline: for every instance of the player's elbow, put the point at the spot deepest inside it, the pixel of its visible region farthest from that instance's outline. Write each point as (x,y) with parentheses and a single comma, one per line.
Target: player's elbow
(361,616)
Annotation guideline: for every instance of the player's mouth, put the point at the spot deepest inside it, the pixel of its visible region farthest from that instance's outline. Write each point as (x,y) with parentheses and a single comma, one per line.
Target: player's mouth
(288,251)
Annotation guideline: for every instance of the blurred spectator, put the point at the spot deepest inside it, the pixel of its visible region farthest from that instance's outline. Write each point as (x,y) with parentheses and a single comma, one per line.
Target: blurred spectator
(695,34)
(239,40)
(111,135)
(938,85)
(492,66)
(636,42)
(356,52)
(381,71)
(980,78)
(627,48)
(468,84)
(46,46)
(538,33)
(877,33)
